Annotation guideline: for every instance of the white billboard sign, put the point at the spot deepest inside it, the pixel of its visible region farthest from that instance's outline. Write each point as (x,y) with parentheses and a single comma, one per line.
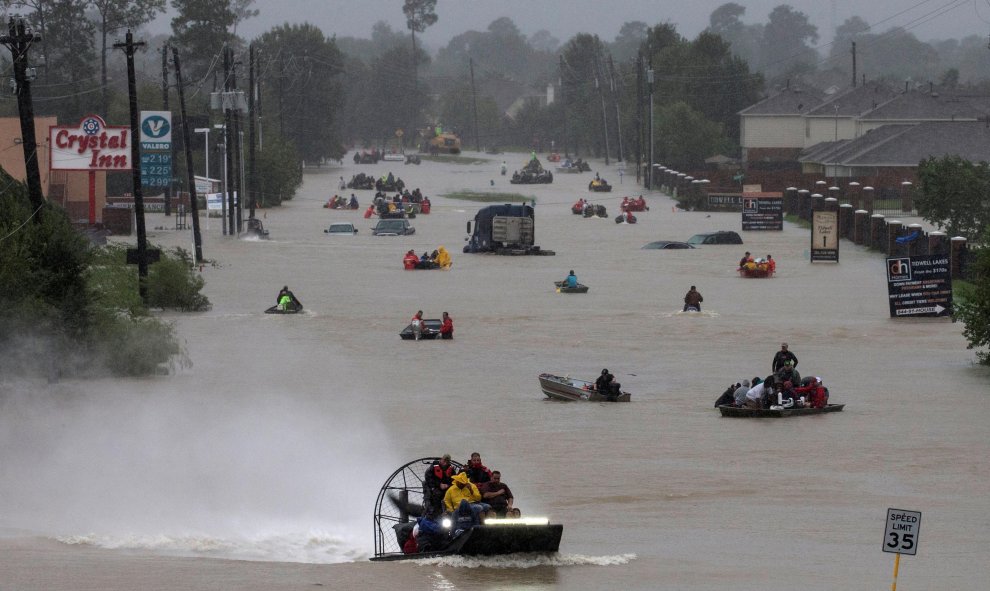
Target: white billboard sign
(92,145)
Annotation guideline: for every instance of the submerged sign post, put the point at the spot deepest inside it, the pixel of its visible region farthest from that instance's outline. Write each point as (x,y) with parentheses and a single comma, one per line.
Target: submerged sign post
(919,286)
(900,536)
(824,236)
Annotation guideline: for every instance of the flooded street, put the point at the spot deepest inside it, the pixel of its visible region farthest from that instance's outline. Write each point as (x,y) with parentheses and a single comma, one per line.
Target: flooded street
(258,466)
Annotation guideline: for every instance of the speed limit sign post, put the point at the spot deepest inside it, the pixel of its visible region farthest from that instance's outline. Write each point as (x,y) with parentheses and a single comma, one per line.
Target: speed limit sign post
(900,536)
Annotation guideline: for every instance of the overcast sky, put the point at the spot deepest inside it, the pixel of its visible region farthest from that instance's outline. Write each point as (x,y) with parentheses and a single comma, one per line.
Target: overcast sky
(927,19)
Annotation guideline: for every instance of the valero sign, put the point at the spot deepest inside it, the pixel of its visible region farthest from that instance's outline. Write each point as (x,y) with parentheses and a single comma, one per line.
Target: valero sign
(92,145)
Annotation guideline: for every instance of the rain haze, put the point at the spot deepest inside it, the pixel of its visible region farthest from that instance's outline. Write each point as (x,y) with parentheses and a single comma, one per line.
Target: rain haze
(927,20)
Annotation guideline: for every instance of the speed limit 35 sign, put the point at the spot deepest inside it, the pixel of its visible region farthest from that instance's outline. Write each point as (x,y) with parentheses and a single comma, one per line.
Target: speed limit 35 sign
(902,531)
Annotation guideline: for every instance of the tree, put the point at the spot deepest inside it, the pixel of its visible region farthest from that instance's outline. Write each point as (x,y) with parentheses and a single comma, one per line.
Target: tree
(787,40)
(744,40)
(974,310)
(201,28)
(279,170)
(304,84)
(114,16)
(627,42)
(420,14)
(954,194)
(684,137)
(543,40)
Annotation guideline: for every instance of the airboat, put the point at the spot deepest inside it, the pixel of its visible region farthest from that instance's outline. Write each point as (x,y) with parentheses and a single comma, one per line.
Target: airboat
(400,502)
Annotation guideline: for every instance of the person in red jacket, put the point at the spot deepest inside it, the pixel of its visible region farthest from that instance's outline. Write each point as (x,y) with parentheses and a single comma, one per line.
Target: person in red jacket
(370,211)
(410,260)
(447,327)
(814,393)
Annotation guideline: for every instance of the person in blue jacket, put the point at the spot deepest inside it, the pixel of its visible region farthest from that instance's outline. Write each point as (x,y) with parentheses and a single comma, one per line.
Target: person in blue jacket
(572,279)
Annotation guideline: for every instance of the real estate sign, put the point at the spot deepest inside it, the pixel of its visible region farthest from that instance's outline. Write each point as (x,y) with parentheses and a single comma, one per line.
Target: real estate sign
(763,212)
(824,236)
(919,286)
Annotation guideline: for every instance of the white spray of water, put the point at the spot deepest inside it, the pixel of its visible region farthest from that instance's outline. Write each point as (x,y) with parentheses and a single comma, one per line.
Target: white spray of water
(526,560)
(245,469)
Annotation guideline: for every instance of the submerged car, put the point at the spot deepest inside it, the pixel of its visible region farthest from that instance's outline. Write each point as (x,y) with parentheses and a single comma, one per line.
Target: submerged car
(721,237)
(345,228)
(666,245)
(393,228)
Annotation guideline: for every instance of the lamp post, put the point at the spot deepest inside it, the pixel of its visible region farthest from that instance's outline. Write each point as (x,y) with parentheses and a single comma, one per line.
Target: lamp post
(649,79)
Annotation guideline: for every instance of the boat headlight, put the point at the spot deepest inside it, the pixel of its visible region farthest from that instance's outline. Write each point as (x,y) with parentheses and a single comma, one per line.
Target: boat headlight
(518,521)
(446,523)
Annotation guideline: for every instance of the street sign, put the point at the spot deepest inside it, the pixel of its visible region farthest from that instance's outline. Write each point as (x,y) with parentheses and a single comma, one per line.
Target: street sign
(919,286)
(902,531)
(398,132)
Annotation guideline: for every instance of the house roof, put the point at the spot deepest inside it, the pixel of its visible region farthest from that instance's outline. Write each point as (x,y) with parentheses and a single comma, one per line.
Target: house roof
(917,105)
(854,101)
(788,101)
(906,145)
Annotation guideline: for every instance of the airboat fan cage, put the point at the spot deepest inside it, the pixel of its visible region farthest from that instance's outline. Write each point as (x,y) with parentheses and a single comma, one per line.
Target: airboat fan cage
(399,501)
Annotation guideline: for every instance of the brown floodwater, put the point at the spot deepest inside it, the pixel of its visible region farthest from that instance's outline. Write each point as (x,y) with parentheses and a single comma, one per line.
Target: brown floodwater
(258,466)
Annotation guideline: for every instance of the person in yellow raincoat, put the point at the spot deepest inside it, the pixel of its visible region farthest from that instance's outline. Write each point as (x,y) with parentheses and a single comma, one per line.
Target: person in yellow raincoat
(443,258)
(462,488)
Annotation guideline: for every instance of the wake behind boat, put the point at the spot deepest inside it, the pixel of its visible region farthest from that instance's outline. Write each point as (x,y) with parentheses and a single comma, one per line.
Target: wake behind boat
(400,502)
(571,389)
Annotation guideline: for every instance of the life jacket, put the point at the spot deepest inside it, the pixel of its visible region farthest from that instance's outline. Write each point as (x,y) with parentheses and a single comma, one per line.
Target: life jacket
(440,473)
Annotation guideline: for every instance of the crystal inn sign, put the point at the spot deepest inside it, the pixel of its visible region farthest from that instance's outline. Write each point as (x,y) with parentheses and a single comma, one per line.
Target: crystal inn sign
(92,145)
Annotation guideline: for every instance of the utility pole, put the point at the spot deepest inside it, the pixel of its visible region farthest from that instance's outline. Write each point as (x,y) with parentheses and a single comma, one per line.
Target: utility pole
(228,141)
(649,80)
(601,96)
(190,173)
(474,95)
(563,105)
(252,187)
(168,188)
(236,153)
(19,40)
(854,63)
(129,47)
(615,100)
(639,115)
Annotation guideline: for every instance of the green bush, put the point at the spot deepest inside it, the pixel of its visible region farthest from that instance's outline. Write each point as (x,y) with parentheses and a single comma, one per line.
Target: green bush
(69,309)
(173,283)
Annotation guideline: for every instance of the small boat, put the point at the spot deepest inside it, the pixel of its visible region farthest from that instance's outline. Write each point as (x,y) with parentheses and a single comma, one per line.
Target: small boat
(400,501)
(599,186)
(735,411)
(293,308)
(431,330)
(562,287)
(756,273)
(568,388)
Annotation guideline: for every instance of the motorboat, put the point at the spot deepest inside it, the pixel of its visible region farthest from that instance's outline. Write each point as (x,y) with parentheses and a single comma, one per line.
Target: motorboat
(571,389)
(562,287)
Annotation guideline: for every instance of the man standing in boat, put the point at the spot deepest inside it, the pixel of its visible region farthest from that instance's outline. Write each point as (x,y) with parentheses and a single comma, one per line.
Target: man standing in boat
(783,357)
